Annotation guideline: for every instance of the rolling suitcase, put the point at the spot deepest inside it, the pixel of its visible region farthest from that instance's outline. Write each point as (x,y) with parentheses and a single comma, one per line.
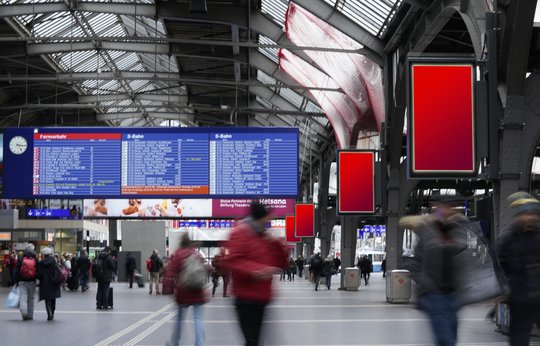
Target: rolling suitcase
(139,280)
(110,303)
(168,286)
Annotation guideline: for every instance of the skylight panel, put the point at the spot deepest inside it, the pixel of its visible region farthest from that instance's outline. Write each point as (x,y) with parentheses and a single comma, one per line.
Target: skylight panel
(264,78)
(275,9)
(127,61)
(291,96)
(270,53)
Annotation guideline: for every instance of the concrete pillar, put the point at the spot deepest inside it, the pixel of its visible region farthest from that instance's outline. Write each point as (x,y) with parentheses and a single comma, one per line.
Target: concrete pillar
(113,233)
(349,225)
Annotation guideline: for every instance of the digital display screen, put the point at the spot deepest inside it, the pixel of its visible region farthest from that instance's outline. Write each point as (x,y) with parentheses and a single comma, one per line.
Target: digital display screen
(356,182)
(441,129)
(152,162)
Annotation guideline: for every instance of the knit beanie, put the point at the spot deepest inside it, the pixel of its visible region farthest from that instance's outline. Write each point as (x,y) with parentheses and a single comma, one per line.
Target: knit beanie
(522,202)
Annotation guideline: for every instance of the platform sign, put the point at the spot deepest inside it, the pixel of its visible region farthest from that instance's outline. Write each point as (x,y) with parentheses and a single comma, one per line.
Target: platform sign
(441,128)
(304,225)
(48,213)
(356,182)
(290,236)
(151,162)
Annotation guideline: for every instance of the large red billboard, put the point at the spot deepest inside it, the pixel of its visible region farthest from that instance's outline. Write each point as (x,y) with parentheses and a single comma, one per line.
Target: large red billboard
(441,125)
(290,237)
(304,220)
(356,182)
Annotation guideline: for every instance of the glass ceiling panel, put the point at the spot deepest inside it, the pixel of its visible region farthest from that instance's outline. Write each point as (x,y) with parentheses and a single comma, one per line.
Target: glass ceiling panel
(275,9)
(291,96)
(270,53)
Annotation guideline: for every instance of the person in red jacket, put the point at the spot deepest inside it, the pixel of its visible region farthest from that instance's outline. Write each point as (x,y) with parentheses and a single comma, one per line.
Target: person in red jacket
(187,296)
(254,257)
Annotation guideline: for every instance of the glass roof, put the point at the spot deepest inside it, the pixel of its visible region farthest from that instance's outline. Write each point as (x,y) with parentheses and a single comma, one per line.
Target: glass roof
(77,24)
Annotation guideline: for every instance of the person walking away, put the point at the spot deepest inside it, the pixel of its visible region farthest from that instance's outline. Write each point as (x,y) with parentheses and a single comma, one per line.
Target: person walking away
(383,267)
(366,267)
(254,257)
(300,263)
(49,290)
(83,264)
(221,270)
(155,267)
(441,237)
(103,272)
(328,270)
(317,267)
(188,291)
(25,278)
(131,266)
(337,264)
(292,269)
(11,266)
(518,250)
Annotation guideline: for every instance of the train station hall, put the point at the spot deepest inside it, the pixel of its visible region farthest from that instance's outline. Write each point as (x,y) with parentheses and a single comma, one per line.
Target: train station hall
(270,172)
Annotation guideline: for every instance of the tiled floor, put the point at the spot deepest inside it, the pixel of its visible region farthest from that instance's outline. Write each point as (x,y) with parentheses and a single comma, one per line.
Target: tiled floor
(299,316)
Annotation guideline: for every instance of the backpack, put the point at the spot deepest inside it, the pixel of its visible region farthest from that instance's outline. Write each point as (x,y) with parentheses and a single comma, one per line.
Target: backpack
(98,270)
(59,274)
(28,268)
(148,264)
(193,273)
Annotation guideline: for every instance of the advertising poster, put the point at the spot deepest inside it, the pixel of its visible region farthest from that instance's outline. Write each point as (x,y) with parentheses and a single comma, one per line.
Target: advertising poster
(239,208)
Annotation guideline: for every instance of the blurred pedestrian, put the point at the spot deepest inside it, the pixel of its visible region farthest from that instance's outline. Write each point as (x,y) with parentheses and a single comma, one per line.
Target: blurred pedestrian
(220,271)
(83,263)
(328,270)
(254,257)
(518,250)
(383,267)
(25,278)
(188,296)
(48,290)
(441,237)
(316,265)
(300,263)
(366,268)
(130,268)
(337,264)
(102,270)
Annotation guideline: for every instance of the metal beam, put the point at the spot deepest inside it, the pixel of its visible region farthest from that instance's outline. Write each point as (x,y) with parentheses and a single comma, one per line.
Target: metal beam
(151,76)
(59,47)
(344,24)
(167,98)
(130,9)
(132,115)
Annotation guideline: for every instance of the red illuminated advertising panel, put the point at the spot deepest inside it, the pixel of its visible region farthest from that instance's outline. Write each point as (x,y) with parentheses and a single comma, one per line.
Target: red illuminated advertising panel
(356,182)
(289,230)
(441,126)
(304,225)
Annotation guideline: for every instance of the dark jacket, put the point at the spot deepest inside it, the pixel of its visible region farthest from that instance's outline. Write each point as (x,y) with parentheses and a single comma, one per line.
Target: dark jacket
(337,263)
(83,263)
(157,263)
(18,276)
(316,264)
(250,251)
(183,295)
(365,265)
(47,288)
(300,263)
(130,264)
(108,267)
(519,255)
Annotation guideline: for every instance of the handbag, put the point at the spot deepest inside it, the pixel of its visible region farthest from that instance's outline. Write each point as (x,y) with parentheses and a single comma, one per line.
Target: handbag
(13,298)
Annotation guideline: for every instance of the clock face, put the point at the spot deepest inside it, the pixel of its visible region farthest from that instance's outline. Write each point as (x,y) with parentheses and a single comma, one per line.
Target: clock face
(18,145)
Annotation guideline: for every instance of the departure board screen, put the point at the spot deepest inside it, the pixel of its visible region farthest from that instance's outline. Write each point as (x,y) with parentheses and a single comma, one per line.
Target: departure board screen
(151,162)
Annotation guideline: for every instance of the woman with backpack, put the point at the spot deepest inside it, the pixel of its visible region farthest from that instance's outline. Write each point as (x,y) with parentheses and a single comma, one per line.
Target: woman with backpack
(49,290)
(188,267)
(25,278)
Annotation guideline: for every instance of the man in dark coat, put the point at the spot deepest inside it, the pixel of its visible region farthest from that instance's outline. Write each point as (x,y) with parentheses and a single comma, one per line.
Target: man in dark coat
(157,265)
(104,278)
(300,263)
(130,268)
(83,264)
(26,279)
(366,267)
(48,290)
(519,254)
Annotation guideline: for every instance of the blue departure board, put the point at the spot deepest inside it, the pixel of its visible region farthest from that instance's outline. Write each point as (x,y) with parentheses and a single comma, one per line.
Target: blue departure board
(150,162)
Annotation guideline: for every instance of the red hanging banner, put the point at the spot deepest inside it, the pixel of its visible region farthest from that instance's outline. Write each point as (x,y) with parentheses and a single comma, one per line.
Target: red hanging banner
(289,230)
(356,182)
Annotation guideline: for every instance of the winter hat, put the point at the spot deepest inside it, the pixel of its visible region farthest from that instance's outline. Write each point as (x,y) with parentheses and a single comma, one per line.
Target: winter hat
(30,247)
(522,202)
(46,251)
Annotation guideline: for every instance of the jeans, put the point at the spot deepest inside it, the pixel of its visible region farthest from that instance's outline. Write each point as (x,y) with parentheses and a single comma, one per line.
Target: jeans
(328,280)
(83,280)
(102,295)
(154,279)
(28,288)
(442,311)
(250,315)
(198,321)
(522,317)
